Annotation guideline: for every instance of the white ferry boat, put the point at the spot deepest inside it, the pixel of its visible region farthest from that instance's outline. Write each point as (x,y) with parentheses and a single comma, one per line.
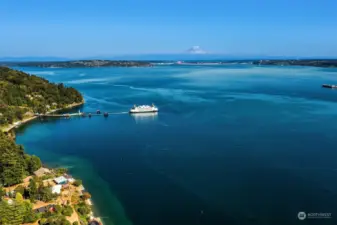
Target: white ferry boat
(144,109)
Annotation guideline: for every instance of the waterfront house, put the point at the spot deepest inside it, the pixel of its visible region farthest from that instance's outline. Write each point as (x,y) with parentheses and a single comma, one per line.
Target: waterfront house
(60,180)
(42,171)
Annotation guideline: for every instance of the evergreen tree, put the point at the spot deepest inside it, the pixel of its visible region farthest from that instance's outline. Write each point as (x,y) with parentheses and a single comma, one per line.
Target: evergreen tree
(32,190)
(33,163)
(14,214)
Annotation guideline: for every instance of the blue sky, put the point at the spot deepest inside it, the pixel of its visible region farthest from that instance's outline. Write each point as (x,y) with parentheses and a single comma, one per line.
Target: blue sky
(73,28)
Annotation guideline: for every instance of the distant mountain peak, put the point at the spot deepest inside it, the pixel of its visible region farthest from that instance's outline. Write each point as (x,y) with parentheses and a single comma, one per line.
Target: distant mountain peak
(196,50)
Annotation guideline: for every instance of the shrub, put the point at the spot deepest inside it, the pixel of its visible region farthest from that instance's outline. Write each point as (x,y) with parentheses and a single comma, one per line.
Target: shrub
(86,195)
(20,189)
(78,183)
(67,211)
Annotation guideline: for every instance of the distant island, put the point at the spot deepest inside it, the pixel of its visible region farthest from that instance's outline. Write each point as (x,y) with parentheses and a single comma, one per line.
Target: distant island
(300,62)
(275,62)
(80,63)
(150,63)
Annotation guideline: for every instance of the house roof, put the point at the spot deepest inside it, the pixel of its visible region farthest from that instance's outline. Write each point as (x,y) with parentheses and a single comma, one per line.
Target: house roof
(60,179)
(42,171)
(56,189)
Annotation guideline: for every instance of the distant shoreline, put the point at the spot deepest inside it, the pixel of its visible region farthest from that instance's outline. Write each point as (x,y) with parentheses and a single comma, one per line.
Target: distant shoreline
(328,63)
(80,64)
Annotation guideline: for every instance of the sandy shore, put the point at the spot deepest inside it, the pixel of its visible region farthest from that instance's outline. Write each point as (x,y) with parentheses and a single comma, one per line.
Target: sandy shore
(26,120)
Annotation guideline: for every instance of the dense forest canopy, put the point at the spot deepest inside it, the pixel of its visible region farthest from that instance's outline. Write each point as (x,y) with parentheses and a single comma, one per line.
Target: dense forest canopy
(14,163)
(22,94)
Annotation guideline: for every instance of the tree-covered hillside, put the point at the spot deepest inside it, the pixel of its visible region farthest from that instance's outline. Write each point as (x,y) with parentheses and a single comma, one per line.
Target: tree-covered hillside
(14,163)
(22,94)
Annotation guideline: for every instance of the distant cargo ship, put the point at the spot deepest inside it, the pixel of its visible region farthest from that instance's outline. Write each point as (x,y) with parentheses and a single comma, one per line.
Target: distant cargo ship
(144,109)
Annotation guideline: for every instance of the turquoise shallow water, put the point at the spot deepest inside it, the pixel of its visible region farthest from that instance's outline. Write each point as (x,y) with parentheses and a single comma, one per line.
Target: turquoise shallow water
(231,144)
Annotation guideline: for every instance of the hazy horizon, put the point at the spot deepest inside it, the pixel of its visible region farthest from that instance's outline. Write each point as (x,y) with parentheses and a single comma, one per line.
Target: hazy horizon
(161,57)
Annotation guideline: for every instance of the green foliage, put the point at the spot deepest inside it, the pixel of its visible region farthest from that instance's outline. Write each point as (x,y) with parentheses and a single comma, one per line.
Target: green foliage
(20,189)
(45,194)
(32,190)
(33,163)
(21,92)
(77,182)
(18,197)
(75,223)
(12,162)
(30,218)
(55,219)
(83,209)
(2,192)
(67,210)
(58,209)
(47,176)
(60,171)
(15,213)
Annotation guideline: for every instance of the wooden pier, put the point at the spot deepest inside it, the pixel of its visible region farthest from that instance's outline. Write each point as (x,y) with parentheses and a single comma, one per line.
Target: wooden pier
(81,114)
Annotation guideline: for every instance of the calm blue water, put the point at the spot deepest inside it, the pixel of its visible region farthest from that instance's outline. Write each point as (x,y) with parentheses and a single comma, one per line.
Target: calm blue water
(230,145)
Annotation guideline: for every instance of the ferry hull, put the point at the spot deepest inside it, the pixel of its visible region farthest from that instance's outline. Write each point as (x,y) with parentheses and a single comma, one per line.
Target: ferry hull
(147,111)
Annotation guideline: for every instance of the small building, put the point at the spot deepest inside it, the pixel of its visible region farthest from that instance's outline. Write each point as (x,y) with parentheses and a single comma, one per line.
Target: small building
(44,209)
(61,180)
(56,189)
(42,171)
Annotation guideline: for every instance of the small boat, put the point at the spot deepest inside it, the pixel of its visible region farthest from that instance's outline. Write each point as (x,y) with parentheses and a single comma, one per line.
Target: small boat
(98,111)
(106,114)
(329,86)
(143,109)
(89,115)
